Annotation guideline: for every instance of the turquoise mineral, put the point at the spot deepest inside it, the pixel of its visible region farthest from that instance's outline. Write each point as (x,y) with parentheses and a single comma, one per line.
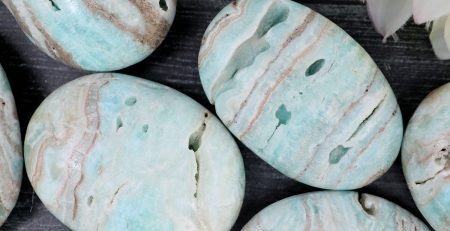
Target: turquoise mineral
(340,211)
(300,93)
(115,152)
(426,157)
(11,160)
(95,35)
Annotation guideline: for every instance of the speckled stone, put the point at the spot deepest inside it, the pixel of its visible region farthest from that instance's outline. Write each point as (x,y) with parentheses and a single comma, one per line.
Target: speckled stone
(11,160)
(114,152)
(300,93)
(334,211)
(426,158)
(95,35)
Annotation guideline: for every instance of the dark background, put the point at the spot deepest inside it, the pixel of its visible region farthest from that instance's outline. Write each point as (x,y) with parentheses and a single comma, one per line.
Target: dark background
(409,65)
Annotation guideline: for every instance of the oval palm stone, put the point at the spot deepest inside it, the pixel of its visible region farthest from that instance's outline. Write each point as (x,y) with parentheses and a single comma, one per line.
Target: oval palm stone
(95,35)
(426,157)
(114,152)
(301,93)
(11,160)
(334,211)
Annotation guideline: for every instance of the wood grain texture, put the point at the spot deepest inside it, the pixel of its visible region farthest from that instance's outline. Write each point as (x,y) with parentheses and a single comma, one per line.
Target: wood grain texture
(409,65)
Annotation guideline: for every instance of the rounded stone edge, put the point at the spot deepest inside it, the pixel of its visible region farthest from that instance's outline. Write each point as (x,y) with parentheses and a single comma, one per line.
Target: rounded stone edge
(5,83)
(365,202)
(405,156)
(237,150)
(60,55)
(235,7)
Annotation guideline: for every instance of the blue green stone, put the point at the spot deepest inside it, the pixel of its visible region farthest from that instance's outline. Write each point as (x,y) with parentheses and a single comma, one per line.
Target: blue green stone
(95,35)
(300,93)
(115,152)
(334,211)
(426,157)
(11,160)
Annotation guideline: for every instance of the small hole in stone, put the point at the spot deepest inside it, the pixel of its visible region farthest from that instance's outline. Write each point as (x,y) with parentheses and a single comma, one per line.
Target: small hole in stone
(315,67)
(119,124)
(145,128)
(131,101)
(367,205)
(55,7)
(283,115)
(163,5)
(90,200)
(337,154)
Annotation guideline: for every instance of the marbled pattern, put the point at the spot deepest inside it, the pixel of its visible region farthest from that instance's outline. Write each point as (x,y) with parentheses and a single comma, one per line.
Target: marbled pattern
(334,211)
(11,160)
(426,157)
(300,93)
(114,152)
(95,35)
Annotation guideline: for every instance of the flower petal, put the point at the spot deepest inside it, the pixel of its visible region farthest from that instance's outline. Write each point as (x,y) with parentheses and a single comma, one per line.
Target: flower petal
(389,15)
(429,10)
(440,37)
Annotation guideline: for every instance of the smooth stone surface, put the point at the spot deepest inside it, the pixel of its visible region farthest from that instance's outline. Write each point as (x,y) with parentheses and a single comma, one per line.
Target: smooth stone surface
(334,211)
(114,152)
(95,35)
(300,93)
(11,160)
(426,157)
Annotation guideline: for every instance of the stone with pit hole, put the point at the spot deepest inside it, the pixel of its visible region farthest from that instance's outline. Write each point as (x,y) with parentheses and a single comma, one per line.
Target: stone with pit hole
(334,211)
(115,152)
(300,93)
(426,157)
(95,35)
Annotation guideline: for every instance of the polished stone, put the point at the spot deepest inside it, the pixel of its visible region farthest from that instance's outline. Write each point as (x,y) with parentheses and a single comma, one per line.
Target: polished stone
(114,152)
(300,93)
(11,160)
(95,35)
(334,211)
(426,157)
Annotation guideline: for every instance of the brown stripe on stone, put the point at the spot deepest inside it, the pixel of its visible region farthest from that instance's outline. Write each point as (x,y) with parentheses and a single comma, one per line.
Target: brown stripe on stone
(4,159)
(346,111)
(217,29)
(5,168)
(377,134)
(297,32)
(82,150)
(156,27)
(41,147)
(12,8)
(55,50)
(282,77)
(8,128)
(350,108)
(307,216)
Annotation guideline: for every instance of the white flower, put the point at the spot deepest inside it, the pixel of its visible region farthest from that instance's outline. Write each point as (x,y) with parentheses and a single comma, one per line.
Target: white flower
(388,16)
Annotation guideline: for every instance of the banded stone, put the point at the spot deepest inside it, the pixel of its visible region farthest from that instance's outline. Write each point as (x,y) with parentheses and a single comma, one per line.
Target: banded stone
(300,93)
(426,157)
(334,211)
(95,35)
(11,160)
(114,152)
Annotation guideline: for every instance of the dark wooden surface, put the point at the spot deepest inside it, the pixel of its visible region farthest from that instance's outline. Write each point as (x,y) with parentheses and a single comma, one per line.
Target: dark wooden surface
(409,65)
